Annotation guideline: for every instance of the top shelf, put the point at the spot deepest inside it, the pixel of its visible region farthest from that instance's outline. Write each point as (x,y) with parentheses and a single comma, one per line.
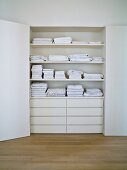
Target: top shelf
(66,45)
(67,28)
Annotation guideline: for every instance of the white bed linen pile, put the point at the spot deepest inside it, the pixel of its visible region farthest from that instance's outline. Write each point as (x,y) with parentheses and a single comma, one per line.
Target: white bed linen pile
(48,73)
(38,58)
(56,92)
(93,93)
(74,74)
(42,41)
(38,89)
(63,40)
(98,59)
(60,75)
(75,90)
(37,71)
(80,57)
(93,76)
(58,58)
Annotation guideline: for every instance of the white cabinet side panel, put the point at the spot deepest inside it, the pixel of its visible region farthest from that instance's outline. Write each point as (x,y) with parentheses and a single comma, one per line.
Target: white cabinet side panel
(14,86)
(116,81)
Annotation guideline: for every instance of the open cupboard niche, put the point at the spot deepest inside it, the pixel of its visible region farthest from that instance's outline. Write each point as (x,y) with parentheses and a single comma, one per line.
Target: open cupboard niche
(69,114)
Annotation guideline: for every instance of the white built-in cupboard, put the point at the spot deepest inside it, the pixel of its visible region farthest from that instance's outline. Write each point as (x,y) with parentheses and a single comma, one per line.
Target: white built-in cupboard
(69,114)
(21,114)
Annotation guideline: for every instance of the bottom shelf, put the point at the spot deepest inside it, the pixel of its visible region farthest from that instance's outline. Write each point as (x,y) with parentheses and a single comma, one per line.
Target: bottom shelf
(66,97)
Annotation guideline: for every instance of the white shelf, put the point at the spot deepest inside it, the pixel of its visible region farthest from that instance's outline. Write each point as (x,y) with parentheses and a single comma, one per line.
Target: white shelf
(66,62)
(76,80)
(66,45)
(66,97)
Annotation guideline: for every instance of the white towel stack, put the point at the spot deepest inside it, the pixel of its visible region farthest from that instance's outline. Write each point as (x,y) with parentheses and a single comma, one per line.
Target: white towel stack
(48,73)
(80,57)
(58,58)
(93,93)
(60,75)
(56,92)
(93,76)
(42,41)
(98,59)
(63,40)
(75,91)
(38,89)
(37,71)
(38,58)
(95,42)
(74,74)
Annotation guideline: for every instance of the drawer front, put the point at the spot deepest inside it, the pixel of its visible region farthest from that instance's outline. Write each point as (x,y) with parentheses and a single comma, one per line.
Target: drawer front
(84,129)
(48,129)
(84,120)
(48,102)
(48,111)
(48,120)
(84,102)
(84,111)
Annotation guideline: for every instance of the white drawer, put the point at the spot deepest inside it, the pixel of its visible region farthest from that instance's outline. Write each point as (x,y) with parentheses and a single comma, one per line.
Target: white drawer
(84,129)
(84,111)
(48,129)
(48,102)
(85,102)
(48,120)
(48,111)
(85,120)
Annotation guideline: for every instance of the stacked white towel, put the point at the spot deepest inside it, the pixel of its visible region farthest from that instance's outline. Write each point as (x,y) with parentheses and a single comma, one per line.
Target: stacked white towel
(56,92)
(75,91)
(37,71)
(58,58)
(38,89)
(93,76)
(42,40)
(98,59)
(74,74)
(93,93)
(80,57)
(38,58)
(63,40)
(95,42)
(60,75)
(48,73)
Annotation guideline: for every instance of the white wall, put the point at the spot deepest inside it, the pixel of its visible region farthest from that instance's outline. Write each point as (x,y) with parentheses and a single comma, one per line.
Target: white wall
(65,12)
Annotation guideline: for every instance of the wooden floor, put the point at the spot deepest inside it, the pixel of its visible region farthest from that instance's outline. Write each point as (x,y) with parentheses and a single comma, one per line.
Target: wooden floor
(64,152)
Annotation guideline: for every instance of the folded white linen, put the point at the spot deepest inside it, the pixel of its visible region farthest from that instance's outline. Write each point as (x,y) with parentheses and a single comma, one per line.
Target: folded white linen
(78,87)
(93,76)
(39,84)
(74,95)
(80,57)
(36,77)
(74,92)
(63,40)
(75,72)
(38,58)
(42,40)
(80,42)
(38,95)
(57,58)
(93,93)
(56,92)
(98,58)
(99,94)
(95,42)
(60,75)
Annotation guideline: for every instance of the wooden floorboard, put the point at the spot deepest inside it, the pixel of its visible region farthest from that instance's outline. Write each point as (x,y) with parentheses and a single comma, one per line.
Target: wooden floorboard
(64,152)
